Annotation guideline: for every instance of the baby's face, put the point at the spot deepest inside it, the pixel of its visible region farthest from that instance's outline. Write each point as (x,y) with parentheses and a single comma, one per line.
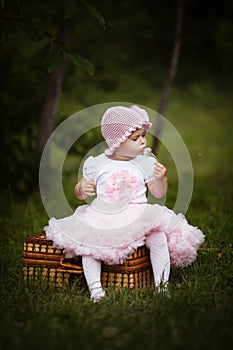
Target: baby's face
(133,146)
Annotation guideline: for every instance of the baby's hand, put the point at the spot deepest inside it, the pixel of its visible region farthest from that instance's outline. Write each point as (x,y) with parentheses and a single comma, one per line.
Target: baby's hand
(160,172)
(158,186)
(85,188)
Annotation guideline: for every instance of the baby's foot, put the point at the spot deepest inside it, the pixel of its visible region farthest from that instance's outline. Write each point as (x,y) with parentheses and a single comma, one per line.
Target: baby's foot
(97,295)
(163,290)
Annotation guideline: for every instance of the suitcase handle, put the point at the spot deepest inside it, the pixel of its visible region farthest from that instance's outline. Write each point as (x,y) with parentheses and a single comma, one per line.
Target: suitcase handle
(70,265)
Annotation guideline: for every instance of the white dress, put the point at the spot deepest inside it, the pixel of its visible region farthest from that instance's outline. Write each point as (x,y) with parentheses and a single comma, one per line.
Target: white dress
(119,219)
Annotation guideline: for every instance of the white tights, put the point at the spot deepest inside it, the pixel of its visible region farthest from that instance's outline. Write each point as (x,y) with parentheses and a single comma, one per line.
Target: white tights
(159,255)
(92,272)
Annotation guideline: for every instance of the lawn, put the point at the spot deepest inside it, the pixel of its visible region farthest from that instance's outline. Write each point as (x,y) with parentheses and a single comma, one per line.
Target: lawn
(199,314)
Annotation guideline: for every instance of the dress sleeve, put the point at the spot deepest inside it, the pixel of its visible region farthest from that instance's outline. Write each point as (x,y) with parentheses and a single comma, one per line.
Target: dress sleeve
(147,165)
(89,168)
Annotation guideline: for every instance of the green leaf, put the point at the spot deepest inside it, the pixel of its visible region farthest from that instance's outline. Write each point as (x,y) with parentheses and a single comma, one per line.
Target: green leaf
(82,62)
(95,13)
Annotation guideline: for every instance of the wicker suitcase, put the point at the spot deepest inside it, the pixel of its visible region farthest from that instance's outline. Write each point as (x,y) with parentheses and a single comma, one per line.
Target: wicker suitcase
(41,260)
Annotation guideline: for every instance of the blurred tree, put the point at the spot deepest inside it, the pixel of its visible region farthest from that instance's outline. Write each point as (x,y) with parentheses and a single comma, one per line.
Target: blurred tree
(66,17)
(40,33)
(170,74)
(39,39)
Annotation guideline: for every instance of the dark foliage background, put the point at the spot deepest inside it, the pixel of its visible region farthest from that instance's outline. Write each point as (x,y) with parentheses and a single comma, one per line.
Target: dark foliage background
(125,40)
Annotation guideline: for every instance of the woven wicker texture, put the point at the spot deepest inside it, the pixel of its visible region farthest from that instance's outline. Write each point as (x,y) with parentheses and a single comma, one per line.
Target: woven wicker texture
(41,260)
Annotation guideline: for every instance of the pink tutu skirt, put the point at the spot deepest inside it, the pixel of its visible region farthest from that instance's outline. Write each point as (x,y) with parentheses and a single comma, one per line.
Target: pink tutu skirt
(111,235)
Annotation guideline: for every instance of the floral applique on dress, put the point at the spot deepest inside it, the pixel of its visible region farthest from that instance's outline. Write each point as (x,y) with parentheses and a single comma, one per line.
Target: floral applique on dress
(119,183)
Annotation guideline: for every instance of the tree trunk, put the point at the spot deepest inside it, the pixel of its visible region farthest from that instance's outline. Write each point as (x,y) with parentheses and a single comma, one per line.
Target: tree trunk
(170,75)
(49,110)
(52,97)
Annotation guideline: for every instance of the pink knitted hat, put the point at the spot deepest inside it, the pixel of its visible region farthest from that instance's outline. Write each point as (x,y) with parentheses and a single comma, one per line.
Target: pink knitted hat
(119,122)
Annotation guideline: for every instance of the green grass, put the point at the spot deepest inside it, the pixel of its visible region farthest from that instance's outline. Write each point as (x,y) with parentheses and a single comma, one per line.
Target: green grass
(199,314)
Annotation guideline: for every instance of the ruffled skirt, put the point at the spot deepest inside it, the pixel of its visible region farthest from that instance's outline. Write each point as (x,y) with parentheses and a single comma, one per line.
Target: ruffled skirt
(111,236)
